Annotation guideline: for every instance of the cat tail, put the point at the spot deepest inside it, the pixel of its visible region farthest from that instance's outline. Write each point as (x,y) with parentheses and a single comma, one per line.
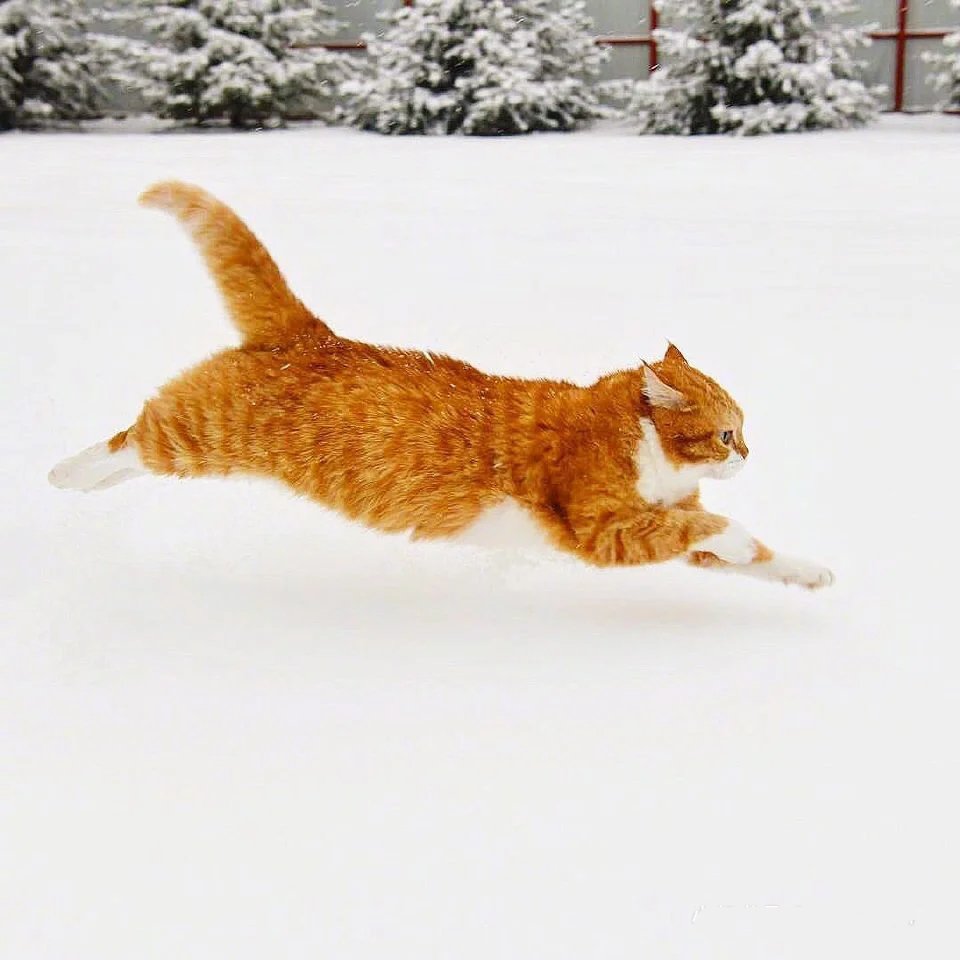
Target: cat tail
(261,304)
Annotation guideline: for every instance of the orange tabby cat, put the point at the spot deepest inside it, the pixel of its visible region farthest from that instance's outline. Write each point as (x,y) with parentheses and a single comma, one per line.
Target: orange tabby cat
(409,441)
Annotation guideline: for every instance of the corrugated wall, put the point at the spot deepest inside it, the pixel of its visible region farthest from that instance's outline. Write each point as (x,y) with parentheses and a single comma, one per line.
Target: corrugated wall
(903,30)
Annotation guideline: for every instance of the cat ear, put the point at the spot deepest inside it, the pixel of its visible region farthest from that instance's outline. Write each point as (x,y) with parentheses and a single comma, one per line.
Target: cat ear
(660,394)
(674,354)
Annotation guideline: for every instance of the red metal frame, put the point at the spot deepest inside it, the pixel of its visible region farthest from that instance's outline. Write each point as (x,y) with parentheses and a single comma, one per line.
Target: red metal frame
(900,36)
(641,40)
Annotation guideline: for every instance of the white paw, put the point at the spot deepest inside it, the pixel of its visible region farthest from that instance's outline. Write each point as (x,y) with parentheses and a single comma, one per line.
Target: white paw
(733,545)
(96,468)
(793,570)
(804,574)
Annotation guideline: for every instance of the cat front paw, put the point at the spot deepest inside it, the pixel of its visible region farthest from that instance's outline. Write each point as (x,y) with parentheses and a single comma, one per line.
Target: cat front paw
(803,573)
(732,545)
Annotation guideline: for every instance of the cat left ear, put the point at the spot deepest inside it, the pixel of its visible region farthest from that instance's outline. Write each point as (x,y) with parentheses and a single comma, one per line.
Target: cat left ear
(660,394)
(674,354)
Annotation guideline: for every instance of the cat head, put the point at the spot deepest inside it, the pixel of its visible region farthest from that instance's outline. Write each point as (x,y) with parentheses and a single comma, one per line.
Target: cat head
(699,424)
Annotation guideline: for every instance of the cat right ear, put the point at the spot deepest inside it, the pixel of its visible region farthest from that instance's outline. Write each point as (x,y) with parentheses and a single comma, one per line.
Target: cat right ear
(673,355)
(660,394)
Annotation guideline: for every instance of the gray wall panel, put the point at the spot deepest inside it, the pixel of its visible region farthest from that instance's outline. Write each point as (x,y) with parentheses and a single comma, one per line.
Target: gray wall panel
(630,18)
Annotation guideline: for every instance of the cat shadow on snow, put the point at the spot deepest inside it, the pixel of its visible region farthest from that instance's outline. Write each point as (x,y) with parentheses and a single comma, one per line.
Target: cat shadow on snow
(398,595)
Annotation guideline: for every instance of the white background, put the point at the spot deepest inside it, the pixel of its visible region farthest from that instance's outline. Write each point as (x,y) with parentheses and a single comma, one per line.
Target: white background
(234,725)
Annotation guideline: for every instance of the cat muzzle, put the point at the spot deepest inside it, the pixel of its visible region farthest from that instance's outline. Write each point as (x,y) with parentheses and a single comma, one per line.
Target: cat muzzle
(731,466)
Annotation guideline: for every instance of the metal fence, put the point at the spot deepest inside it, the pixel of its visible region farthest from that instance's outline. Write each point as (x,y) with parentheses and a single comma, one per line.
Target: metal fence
(904,30)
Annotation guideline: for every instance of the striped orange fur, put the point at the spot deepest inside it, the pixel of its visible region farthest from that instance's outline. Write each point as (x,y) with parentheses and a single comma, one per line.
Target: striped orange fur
(410,441)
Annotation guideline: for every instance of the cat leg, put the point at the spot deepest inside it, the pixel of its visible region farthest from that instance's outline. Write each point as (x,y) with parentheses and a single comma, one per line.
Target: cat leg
(99,467)
(786,569)
(631,536)
(767,565)
(610,535)
(763,564)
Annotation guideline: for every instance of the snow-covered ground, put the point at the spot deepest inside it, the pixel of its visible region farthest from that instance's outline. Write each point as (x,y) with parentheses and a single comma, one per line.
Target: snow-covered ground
(233,725)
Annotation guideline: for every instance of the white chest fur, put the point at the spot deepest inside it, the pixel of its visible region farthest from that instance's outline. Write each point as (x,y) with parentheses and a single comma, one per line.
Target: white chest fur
(659,480)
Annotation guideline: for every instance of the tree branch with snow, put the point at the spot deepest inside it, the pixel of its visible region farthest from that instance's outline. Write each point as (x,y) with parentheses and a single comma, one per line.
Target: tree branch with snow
(484,67)
(248,63)
(754,66)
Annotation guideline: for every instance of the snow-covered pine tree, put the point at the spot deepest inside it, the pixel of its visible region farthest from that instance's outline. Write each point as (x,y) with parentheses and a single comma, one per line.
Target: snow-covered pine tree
(477,67)
(247,62)
(46,73)
(946,76)
(754,66)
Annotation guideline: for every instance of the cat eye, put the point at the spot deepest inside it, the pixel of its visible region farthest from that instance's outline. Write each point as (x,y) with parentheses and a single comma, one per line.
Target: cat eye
(726,436)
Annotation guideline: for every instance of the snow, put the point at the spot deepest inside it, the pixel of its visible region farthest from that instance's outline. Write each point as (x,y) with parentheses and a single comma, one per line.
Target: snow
(946,67)
(247,64)
(755,66)
(46,65)
(478,66)
(234,725)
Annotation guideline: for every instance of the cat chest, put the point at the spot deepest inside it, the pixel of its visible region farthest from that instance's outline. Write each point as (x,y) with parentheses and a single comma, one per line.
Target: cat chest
(659,481)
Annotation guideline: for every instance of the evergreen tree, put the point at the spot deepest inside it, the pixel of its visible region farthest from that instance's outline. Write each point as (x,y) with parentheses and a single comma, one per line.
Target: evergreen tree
(477,67)
(754,66)
(947,75)
(46,70)
(247,62)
